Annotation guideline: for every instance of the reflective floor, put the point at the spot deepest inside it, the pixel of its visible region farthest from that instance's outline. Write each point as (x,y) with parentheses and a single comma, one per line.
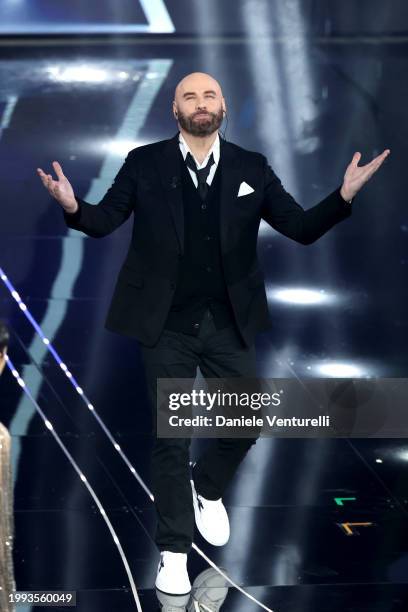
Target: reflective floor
(338,307)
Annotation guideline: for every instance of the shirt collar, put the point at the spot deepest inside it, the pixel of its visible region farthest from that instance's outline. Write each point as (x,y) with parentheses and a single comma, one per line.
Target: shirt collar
(215,150)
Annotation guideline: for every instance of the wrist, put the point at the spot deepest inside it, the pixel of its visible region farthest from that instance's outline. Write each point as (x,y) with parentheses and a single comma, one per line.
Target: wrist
(71,208)
(345,194)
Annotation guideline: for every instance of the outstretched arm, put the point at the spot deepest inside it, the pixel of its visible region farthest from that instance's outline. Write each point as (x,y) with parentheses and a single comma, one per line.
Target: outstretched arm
(95,220)
(285,215)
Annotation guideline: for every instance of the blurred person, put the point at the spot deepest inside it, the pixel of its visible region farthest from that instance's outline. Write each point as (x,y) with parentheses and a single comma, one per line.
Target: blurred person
(4,340)
(7,583)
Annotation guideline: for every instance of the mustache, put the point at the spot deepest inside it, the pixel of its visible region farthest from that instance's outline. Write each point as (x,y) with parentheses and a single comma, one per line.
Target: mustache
(212,122)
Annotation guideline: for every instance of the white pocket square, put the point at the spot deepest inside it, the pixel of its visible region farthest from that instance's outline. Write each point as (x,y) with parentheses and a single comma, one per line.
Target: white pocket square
(244,189)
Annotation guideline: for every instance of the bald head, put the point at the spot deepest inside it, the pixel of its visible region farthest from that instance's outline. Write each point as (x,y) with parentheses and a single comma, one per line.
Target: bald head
(197,80)
(198,104)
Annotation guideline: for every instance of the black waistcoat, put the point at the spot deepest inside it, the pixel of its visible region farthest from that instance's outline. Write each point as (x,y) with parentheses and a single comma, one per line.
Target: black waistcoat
(200,283)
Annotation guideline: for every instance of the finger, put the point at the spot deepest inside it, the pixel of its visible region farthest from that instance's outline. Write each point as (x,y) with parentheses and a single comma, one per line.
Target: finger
(378,162)
(379,159)
(45,177)
(371,168)
(51,184)
(58,169)
(47,181)
(356,159)
(42,175)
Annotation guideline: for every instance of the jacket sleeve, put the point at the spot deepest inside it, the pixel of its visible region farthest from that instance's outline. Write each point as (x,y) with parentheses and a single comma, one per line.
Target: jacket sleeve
(283,213)
(114,209)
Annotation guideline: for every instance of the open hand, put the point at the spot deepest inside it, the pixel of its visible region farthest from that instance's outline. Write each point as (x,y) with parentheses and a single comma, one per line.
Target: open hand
(356,176)
(60,189)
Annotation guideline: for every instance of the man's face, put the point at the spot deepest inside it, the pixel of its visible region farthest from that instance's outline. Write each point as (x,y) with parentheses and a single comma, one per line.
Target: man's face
(199,107)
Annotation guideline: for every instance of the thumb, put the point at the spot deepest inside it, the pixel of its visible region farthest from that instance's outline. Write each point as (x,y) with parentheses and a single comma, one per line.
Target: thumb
(356,158)
(58,169)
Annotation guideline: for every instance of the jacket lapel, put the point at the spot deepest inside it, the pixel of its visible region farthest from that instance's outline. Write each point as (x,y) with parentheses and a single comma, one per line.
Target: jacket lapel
(170,173)
(230,179)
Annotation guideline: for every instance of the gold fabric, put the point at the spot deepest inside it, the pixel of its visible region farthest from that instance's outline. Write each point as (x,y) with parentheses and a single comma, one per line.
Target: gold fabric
(7,582)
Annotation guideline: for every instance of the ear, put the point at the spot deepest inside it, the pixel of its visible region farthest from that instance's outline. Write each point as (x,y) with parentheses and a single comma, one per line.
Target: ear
(175,113)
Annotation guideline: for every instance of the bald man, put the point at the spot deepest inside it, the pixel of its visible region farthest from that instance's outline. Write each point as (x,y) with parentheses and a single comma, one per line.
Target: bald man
(191,290)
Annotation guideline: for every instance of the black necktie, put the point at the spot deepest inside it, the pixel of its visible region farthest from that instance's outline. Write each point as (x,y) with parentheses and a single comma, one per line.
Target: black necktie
(201,174)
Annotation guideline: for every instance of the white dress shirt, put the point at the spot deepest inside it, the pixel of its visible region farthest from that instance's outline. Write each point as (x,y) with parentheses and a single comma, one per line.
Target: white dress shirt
(215,150)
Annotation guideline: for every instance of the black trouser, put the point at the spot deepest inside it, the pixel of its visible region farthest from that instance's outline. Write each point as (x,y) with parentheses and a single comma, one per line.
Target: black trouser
(176,355)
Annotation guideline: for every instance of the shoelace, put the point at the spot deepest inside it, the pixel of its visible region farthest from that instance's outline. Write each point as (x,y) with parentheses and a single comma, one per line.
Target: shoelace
(200,503)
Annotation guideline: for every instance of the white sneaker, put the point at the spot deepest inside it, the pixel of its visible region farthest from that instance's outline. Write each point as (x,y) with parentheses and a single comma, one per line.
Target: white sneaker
(172,603)
(208,592)
(172,576)
(211,519)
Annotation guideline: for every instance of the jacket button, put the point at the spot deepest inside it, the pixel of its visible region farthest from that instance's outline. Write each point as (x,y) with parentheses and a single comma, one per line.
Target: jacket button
(179,256)
(172,286)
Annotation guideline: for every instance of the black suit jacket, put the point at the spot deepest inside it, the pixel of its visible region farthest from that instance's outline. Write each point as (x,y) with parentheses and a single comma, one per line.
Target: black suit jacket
(149,186)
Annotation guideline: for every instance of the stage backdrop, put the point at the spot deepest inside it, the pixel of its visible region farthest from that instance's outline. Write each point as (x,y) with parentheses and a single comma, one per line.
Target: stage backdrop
(208,17)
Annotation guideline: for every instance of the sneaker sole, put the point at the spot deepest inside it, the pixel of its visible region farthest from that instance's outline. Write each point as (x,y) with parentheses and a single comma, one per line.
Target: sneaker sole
(171,594)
